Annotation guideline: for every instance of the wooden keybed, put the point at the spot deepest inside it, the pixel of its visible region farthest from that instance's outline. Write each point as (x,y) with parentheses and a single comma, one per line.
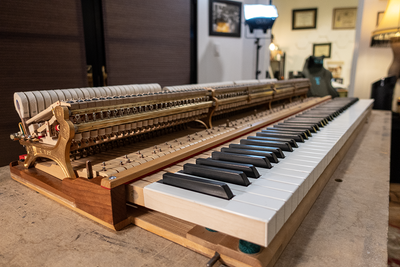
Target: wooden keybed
(104,197)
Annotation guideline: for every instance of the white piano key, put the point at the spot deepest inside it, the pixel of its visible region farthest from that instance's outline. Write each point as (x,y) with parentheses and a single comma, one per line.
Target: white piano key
(287,197)
(264,191)
(309,160)
(309,177)
(293,166)
(213,212)
(301,183)
(266,202)
(316,145)
(291,188)
(319,139)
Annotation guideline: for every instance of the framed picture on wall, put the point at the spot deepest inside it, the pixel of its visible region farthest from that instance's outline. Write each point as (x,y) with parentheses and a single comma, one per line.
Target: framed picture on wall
(225,18)
(344,18)
(379,17)
(320,50)
(304,19)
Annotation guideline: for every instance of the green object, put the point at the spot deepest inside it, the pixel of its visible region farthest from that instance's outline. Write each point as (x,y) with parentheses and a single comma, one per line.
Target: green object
(342,92)
(248,248)
(211,230)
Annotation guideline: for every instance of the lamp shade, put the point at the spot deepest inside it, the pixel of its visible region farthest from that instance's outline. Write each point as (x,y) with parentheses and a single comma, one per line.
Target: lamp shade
(388,28)
(260,16)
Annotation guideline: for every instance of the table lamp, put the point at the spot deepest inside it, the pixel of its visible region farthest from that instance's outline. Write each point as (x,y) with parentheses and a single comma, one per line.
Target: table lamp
(388,33)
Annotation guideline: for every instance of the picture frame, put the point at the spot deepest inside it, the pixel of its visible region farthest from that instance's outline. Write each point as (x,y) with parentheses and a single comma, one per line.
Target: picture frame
(379,17)
(344,18)
(303,19)
(320,50)
(225,18)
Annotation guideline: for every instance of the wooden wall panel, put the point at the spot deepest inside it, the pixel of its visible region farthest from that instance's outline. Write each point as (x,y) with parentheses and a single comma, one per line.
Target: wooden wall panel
(147,41)
(42,47)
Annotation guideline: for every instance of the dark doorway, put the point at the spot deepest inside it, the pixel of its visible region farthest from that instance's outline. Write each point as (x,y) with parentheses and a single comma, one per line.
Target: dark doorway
(92,14)
(193,41)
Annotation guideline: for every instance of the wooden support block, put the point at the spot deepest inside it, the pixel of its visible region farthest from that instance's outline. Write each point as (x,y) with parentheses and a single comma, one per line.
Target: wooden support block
(135,192)
(85,196)
(192,161)
(173,169)
(51,168)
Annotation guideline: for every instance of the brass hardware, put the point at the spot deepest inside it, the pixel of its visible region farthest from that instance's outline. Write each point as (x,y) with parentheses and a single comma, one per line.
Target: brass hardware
(105,76)
(59,153)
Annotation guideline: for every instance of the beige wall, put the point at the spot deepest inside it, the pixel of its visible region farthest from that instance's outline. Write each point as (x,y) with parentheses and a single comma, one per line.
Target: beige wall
(298,44)
(226,58)
(371,63)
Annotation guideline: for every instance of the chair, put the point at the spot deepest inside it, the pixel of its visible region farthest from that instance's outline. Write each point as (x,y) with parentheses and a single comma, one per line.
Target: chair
(320,77)
(382,92)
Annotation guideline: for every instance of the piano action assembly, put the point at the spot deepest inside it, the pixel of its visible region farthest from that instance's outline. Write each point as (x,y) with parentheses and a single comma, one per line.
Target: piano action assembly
(228,169)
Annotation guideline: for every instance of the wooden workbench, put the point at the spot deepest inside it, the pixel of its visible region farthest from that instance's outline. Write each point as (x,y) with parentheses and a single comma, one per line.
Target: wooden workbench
(347,226)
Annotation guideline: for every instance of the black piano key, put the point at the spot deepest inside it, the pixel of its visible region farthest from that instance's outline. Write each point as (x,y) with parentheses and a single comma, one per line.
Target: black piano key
(219,174)
(318,122)
(276,150)
(248,169)
(296,137)
(293,127)
(304,134)
(281,145)
(270,155)
(290,123)
(292,142)
(197,184)
(326,118)
(314,118)
(332,112)
(258,161)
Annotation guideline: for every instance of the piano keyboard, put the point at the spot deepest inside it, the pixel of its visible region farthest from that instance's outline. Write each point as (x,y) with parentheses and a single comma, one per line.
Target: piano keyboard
(249,188)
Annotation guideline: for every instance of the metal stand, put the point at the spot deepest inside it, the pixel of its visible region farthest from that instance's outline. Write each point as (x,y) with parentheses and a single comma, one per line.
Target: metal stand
(258,46)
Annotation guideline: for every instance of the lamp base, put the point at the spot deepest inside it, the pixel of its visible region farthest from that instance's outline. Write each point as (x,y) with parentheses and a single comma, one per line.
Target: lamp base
(394,69)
